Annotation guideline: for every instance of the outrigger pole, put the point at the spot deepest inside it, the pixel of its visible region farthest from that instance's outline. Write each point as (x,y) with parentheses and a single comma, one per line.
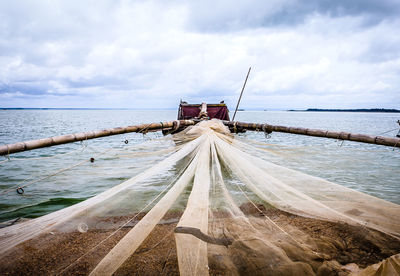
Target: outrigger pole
(82,136)
(369,139)
(174,126)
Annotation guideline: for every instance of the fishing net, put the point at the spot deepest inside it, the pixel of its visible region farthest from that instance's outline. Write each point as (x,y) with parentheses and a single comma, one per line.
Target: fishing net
(213,206)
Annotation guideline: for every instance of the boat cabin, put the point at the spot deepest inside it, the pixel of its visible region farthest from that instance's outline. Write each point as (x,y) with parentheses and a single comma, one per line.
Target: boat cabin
(203,111)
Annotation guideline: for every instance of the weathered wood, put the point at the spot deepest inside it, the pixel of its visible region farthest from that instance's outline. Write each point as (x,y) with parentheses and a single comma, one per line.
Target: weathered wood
(200,235)
(70,138)
(378,140)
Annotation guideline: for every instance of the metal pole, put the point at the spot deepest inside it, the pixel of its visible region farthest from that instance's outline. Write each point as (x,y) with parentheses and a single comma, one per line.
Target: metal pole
(241,93)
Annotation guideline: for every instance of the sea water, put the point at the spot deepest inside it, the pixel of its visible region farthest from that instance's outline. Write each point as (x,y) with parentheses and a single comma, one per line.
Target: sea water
(56,181)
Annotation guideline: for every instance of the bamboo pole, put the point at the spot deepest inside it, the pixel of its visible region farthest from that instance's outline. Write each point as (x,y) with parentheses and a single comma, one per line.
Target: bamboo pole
(378,140)
(70,138)
(241,93)
(236,126)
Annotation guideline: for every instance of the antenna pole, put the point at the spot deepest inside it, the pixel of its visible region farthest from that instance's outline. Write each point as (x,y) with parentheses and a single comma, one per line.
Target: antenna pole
(241,93)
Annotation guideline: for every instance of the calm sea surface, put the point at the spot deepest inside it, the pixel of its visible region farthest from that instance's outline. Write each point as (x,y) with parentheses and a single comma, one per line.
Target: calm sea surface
(57,177)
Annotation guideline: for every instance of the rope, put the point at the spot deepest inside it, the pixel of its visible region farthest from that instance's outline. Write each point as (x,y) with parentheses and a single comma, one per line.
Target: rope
(308,147)
(147,153)
(276,225)
(47,157)
(127,149)
(1,162)
(394,147)
(145,129)
(122,226)
(387,131)
(20,187)
(157,244)
(7,157)
(266,134)
(50,175)
(176,125)
(115,231)
(166,262)
(339,139)
(119,228)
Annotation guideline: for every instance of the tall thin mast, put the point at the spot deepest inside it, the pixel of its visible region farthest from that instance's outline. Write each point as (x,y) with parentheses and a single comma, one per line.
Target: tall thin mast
(241,93)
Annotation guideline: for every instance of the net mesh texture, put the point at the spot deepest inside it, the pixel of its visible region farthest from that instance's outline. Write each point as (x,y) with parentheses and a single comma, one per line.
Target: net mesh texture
(216,208)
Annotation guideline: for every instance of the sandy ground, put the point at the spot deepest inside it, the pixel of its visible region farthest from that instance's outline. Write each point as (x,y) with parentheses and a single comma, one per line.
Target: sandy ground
(337,244)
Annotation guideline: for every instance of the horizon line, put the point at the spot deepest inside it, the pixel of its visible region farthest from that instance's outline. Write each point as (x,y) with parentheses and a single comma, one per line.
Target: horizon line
(240,109)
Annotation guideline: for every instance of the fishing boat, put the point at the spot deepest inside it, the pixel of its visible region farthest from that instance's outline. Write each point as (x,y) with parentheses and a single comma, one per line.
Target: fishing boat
(199,112)
(208,111)
(203,111)
(217,206)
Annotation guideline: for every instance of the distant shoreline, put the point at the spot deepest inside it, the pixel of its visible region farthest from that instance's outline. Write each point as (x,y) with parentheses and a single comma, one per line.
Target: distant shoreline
(72,108)
(374,110)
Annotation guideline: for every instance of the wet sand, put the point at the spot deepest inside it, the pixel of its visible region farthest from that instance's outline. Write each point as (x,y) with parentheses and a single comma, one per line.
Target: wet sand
(338,243)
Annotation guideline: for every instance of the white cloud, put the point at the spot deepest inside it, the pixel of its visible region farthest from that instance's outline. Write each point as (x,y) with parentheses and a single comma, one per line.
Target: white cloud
(150,54)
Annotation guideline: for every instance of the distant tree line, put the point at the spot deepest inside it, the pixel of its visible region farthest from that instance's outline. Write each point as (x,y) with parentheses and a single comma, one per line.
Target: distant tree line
(353,110)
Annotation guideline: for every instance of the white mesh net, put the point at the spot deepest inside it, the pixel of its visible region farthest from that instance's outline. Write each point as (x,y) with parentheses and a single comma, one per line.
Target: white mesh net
(218,209)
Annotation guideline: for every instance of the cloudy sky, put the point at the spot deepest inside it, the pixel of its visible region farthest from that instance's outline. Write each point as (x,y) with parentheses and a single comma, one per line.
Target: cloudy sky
(151,54)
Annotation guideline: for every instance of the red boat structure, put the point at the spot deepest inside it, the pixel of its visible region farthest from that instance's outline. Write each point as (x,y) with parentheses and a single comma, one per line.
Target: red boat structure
(203,111)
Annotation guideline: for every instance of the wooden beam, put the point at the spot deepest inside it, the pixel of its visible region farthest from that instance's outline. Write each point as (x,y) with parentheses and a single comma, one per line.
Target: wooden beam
(71,138)
(378,140)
